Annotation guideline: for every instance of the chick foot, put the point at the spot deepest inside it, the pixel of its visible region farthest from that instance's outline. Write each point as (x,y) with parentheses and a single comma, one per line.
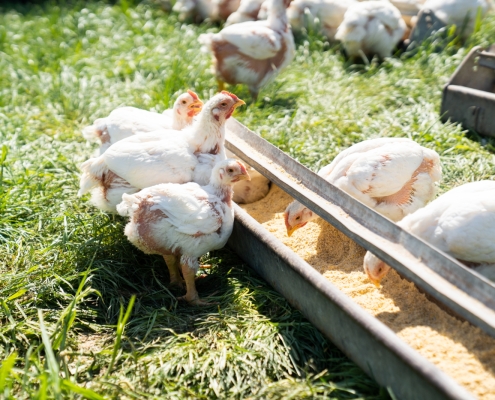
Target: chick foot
(196,301)
(192,296)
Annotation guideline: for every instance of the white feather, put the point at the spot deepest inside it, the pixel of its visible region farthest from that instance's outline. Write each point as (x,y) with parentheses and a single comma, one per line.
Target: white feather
(371,27)
(461,13)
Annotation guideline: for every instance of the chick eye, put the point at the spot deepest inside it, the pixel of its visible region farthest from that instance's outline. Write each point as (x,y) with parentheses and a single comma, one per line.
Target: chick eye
(183,102)
(223,104)
(230,170)
(298,218)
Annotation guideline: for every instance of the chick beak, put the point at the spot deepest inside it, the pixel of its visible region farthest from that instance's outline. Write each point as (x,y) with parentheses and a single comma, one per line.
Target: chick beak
(242,177)
(196,106)
(238,103)
(375,282)
(291,230)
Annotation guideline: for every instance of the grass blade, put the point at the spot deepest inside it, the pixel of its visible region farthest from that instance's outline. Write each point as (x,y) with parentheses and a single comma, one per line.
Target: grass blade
(52,364)
(86,393)
(120,331)
(5,369)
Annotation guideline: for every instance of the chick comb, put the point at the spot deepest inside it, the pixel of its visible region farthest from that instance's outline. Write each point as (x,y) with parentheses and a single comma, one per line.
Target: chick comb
(243,168)
(192,94)
(234,97)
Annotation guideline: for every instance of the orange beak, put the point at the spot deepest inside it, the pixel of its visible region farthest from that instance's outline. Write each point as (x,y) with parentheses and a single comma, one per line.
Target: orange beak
(375,282)
(238,101)
(196,106)
(291,229)
(242,177)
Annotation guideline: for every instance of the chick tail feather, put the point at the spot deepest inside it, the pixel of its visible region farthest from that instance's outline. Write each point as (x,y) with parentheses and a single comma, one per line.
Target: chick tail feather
(93,172)
(89,133)
(129,204)
(94,132)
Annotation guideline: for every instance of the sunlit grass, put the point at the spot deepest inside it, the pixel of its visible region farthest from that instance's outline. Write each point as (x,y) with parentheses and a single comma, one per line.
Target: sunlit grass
(67,273)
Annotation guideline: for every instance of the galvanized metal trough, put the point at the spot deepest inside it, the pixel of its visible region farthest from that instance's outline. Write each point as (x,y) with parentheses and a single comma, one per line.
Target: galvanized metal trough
(367,341)
(469,96)
(427,24)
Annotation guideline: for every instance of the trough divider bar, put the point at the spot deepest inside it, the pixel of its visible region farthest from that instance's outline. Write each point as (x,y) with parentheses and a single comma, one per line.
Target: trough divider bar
(363,338)
(465,292)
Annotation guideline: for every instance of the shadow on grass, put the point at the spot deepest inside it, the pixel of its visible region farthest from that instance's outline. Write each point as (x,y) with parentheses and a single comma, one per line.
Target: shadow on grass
(243,298)
(281,100)
(120,271)
(37,6)
(487,142)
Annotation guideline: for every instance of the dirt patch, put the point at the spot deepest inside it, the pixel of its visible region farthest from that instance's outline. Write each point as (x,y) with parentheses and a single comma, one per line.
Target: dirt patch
(91,343)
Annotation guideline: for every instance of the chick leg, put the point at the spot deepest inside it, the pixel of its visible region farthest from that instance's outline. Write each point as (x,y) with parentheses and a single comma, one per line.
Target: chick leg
(189,268)
(221,85)
(173,269)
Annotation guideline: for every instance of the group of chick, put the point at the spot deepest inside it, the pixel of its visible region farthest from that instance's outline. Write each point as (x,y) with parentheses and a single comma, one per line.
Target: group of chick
(397,178)
(257,42)
(170,175)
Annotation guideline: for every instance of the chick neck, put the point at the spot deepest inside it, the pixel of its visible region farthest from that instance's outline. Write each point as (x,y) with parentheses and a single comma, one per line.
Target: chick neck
(208,133)
(179,121)
(277,15)
(222,190)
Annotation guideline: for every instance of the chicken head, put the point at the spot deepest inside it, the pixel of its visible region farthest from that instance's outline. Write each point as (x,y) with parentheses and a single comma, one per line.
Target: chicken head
(223,105)
(375,268)
(228,172)
(296,216)
(188,105)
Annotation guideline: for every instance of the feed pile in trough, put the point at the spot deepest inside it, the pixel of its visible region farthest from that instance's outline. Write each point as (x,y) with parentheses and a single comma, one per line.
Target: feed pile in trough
(460,349)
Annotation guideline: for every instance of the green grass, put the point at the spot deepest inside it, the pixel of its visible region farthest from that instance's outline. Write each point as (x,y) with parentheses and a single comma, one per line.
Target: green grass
(83,314)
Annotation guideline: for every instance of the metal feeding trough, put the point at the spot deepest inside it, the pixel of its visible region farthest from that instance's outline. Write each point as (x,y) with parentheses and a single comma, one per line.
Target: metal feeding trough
(427,24)
(469,96)
(367,341)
